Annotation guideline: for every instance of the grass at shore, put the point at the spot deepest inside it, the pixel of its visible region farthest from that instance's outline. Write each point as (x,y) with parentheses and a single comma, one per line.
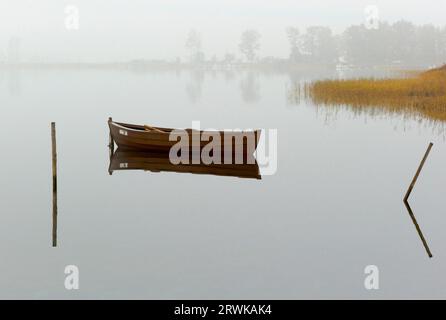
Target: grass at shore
(422,93)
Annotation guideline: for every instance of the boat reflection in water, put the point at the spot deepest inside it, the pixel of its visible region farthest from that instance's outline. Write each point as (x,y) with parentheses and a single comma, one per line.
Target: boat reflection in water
(159,161)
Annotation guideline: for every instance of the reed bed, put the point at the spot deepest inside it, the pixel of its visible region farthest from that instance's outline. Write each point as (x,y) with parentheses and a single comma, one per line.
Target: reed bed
(420,94)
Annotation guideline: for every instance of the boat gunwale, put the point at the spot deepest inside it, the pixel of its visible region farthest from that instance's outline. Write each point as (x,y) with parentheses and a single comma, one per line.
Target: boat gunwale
(128,126)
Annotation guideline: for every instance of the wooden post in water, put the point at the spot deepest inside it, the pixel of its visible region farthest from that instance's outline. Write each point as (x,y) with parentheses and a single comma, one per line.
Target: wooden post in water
(54,161)
(414,180)
(406,203)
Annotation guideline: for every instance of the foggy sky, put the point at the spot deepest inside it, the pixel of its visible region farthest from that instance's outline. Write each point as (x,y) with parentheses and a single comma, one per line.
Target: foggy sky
(120,30)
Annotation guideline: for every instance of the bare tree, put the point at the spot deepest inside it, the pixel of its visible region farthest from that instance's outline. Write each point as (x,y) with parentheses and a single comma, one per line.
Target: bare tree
(249,44)
(228,59)
(293,36)
(193,45)
(319,45)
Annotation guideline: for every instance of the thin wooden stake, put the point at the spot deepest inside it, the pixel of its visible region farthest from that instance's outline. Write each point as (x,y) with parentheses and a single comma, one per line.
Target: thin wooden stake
(414,180)
(54,161)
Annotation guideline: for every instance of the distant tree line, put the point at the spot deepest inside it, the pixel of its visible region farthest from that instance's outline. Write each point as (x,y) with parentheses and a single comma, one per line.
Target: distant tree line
(399,43)
(248,46)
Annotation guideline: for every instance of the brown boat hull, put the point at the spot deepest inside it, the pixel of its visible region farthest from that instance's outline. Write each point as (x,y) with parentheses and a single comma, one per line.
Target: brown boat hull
(135,137)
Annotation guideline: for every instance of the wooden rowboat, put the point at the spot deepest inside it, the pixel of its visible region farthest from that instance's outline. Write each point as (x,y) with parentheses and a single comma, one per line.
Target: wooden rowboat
(148,138)
(159,162)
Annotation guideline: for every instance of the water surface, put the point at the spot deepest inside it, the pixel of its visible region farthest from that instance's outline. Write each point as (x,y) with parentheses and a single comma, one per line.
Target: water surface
(333,207)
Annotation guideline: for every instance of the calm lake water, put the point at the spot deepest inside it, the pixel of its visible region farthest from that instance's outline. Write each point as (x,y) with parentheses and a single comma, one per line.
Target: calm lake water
(333,207)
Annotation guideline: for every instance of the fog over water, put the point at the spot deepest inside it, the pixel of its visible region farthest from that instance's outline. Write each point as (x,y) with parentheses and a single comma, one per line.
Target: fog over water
(333,206)
(118,30)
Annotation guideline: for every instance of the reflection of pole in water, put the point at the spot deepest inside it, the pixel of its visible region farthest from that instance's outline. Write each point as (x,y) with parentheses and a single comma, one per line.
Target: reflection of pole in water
(412,216)
(54,161)
(406,197)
